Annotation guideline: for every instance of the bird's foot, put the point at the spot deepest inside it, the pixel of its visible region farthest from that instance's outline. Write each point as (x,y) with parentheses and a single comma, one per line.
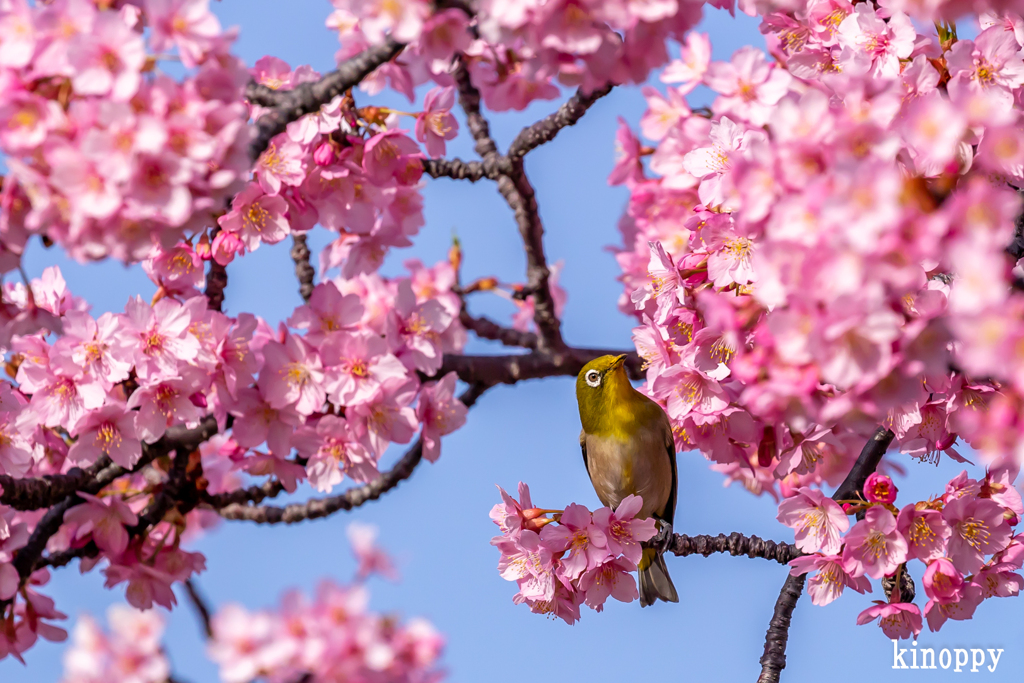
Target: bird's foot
(663,541)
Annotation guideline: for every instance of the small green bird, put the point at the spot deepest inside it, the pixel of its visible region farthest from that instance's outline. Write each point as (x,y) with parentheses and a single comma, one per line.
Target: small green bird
(628,449)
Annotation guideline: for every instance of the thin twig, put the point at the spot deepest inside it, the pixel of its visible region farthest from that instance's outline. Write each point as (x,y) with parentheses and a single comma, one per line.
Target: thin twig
(200,606)
(773,661)
(547,128)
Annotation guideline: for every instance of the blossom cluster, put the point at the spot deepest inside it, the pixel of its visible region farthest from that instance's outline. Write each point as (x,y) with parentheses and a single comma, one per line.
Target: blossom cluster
(321,400)
(333,636)
(572,558)
(824,249)
(130,651)
(107,154)
(517,52)
(352,171)
(964,538)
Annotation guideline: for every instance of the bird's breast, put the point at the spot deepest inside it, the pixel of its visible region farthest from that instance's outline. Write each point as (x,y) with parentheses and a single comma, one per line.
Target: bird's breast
(638,465)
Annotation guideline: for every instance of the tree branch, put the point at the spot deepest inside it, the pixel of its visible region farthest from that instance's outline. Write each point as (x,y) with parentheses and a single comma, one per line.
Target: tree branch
(200,606)
(353,498)
(515,187)
(485,328)
(216,282)
(42,492)
(735,544)
(773,661)
(546,129)
(179,439)
(290,105)
(303,270)
(515,368)
(457,169)
(33,493)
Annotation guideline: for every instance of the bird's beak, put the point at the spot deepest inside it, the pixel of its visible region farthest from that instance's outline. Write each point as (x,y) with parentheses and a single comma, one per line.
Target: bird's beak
(619,360)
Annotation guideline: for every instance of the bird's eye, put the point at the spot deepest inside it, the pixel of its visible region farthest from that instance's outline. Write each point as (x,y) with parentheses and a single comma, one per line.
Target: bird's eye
(593,378)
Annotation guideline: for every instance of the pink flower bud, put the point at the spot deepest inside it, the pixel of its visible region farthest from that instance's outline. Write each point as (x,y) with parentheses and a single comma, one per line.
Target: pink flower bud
(880,489)
(203,249)
(225,246)
(325,155)
(198,399)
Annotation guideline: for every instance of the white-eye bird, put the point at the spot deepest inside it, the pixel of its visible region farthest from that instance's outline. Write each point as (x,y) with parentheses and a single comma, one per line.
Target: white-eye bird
(628,449)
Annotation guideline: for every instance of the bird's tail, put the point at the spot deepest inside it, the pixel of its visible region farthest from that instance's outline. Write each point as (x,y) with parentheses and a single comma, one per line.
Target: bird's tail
(655,582)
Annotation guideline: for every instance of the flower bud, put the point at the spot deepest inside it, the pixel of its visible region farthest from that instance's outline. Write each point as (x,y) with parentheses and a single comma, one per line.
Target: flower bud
(880,489)
(325,154)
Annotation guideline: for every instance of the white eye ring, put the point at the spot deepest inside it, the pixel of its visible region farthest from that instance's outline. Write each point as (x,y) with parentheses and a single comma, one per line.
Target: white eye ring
(593,378)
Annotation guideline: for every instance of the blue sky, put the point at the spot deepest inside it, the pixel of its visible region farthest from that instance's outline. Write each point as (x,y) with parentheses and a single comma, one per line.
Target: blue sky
(436,524)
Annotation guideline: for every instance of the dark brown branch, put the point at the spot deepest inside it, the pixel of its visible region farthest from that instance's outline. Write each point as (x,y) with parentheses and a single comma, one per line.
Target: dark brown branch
(485,328)
(512,369)
(35,493)
(515,187)
(353,498)
(867,462)
(458,169)
(735,544)
(773,661)
(303,270)
(200,606)
(469,100)
(178,439)
(290,105)
(216,282)
(546,129)
(519,194)
(252,494)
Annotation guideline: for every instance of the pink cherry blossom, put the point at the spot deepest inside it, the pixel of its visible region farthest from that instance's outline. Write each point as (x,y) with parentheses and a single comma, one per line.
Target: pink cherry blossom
(874,546)
(256,217)
(609,579)
(942,582)
(818,521)
(979,529)
(576,534)
(332,452)
(436,124)
(831,577)
(108,60)
(372,560)
(104,520)
(292,376)
(327,311)
(440,413)
(899,620)
(188,24)
(926,532)
(111,431)
(624,533)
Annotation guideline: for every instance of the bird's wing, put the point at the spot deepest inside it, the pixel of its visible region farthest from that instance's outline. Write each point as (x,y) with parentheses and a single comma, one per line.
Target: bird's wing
(670,446)
(583,447)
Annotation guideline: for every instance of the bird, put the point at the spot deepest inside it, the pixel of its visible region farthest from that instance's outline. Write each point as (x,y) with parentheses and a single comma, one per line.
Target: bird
(628,448)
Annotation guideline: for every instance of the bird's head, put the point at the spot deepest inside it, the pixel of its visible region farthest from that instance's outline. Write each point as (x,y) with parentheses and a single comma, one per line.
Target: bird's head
(600,382)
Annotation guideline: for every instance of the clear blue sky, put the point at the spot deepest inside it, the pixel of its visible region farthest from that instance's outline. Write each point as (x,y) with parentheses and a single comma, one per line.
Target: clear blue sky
(436,524)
